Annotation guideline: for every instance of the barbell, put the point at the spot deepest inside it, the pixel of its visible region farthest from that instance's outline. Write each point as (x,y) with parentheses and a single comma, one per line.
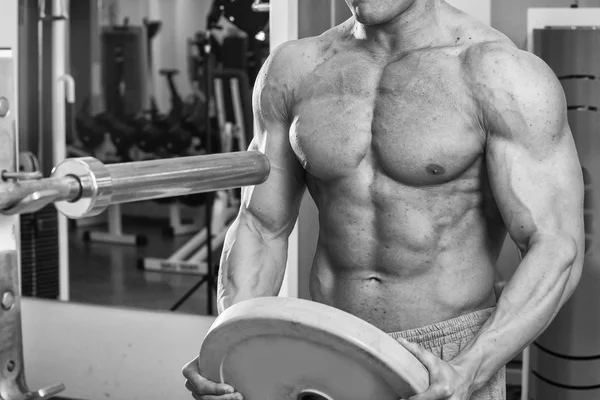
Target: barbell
(84,187)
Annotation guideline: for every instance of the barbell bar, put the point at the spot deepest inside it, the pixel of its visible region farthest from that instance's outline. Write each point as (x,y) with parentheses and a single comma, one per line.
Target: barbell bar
(84,187)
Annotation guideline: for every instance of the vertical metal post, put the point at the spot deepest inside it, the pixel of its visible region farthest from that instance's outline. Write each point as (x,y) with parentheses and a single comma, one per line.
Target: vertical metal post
(56,18)
(12,375)
(11,350)
(59,127)
(208,79)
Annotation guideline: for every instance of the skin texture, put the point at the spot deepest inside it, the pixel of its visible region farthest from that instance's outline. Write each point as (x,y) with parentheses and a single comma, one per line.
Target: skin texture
(424,137)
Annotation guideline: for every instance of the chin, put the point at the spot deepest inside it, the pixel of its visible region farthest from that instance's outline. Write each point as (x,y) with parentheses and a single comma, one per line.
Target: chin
(369,12)
(371,18)
(368,20)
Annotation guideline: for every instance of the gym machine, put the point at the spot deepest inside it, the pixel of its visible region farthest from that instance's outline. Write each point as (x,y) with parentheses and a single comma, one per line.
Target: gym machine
(232,99)
(131,127)
(125,50)
(105,136)
(83,187)
(233,105)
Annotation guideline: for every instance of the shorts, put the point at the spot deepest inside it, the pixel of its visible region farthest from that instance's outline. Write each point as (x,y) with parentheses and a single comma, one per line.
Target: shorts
(446,340)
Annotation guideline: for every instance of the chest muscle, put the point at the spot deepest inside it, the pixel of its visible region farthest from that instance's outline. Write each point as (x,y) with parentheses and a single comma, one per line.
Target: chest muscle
(414,125)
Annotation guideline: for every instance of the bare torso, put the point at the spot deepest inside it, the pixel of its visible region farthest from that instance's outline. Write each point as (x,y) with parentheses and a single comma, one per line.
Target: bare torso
(393,151)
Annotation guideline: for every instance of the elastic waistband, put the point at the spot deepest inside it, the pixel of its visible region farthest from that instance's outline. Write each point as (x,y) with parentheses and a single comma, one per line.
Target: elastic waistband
(450,331)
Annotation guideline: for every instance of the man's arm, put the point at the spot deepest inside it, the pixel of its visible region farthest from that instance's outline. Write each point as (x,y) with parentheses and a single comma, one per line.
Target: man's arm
(537,182)
(255,250)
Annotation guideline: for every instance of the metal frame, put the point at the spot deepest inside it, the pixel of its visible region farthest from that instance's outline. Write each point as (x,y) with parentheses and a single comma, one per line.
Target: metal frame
(114,233)
(191,257)
(177,227)
(62,85)
(12,384)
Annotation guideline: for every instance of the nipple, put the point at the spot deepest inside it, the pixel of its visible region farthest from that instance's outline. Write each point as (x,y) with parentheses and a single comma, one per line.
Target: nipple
(435,169)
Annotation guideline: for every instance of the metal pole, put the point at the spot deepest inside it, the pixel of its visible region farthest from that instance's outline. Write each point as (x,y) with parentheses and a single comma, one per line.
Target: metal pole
(259,6)
(59,125)
(208,79)
(83,187)
(147,180)
(12,378)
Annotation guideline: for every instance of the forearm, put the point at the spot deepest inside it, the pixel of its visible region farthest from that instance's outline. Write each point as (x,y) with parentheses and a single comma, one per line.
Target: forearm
(530,301)
(252,265)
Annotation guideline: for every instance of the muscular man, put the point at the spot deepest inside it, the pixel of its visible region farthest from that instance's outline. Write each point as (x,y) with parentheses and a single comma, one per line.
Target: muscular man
(423,136)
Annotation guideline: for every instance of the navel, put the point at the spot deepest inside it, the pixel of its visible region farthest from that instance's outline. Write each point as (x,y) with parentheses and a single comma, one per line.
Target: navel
(435,169)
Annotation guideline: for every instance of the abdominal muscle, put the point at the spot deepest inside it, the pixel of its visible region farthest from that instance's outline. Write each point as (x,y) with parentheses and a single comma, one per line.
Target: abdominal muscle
(396,276)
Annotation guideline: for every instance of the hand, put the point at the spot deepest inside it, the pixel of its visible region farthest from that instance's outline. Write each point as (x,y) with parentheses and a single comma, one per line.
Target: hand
(203,389)
(446,381)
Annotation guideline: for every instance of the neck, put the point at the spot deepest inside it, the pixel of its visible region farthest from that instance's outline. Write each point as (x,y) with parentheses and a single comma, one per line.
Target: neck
(412,29)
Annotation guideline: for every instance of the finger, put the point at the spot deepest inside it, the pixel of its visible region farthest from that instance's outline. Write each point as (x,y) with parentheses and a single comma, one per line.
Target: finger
(190,387)
(232,396)
(202,386)
(426,396)
(435,392)
(191,368)
(428,359)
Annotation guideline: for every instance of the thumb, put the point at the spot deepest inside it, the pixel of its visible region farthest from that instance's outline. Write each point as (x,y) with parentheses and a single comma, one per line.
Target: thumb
(428,359)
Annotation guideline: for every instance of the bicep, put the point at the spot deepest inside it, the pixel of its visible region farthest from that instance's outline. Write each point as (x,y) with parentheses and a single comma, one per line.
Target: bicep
(538,193)
(273,206)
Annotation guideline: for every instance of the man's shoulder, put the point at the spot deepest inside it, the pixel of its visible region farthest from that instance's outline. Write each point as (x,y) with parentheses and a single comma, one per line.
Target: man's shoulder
(500,62)
(284,70)
(512,84)
(295,58)
(290,62)
(488,55)
(502,75)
